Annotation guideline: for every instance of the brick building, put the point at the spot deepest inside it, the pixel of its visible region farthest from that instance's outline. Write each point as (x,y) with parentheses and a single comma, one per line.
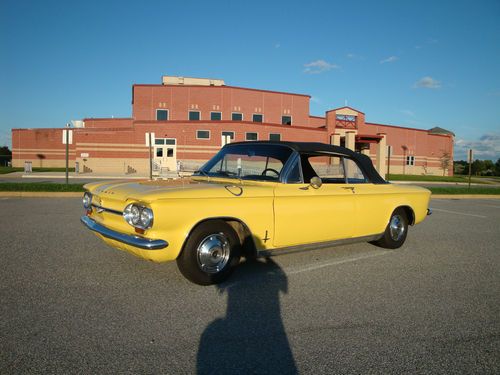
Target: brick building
(191,118)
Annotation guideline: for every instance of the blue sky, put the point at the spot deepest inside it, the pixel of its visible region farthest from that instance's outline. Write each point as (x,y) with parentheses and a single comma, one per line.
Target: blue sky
(409,63)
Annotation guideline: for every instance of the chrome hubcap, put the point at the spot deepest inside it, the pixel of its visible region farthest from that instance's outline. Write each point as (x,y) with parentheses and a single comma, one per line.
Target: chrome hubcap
(213,253)
(396,227)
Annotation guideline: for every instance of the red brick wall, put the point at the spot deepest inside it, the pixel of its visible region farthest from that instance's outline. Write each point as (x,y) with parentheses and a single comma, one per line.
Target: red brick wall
(226,99)
(108,122)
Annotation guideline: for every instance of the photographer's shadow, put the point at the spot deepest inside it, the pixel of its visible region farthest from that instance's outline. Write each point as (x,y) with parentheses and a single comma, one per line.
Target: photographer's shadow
(251,337)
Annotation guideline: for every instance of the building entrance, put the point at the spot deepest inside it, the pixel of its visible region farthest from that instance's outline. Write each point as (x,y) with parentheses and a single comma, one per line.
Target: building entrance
(165,153)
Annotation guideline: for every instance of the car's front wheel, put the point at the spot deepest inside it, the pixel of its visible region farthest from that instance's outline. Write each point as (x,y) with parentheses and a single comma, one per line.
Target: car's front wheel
(210,253)
(396,230)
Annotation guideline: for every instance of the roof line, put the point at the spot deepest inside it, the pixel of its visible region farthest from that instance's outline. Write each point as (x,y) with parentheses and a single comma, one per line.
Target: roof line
(221,87)
(345,106)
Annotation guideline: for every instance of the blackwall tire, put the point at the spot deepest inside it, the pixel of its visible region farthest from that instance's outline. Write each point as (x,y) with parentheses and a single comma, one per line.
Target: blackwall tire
(396,231)
(210,253)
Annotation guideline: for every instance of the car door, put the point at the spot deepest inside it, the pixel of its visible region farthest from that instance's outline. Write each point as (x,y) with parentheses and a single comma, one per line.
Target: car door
(374,202)
(304,214)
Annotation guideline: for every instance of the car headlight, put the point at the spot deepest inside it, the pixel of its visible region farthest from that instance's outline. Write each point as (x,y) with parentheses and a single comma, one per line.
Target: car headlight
(87,200)
(138,216)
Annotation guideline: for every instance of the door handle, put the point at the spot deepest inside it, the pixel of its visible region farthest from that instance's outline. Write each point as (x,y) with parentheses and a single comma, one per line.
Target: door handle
(351,188)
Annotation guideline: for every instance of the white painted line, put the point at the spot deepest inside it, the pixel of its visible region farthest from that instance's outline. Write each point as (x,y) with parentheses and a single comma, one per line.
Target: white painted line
(294,271)
(458,213)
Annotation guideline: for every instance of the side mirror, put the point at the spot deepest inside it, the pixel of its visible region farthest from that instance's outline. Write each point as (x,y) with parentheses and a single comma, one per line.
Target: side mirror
(316,182)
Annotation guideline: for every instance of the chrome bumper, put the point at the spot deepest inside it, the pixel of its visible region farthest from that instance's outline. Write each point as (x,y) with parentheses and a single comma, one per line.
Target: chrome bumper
(127,239)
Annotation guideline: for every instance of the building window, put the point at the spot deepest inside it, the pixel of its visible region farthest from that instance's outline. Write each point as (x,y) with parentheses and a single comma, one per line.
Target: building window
(348,118)
(159,141)
(235,116)
(274,137)
(203,134)
(161,114)
(257,117)
(170,141)
(215,116)
(286,120)
(194,115)
(251,136)
(410,160)
(228,134)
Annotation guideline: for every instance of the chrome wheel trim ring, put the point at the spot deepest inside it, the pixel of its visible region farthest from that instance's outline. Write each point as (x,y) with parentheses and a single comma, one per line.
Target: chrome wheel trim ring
(213,253)
(396,227)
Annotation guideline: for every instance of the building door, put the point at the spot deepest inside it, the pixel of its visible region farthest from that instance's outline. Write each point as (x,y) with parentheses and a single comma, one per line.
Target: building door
(165,153)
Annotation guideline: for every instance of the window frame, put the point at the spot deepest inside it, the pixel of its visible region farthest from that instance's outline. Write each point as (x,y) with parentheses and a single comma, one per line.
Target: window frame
(278,134)
(236,113)
(290,116)
(228,131)
(193,111)
(163,109)
(212,112)
(202,138)
(258,114)
(246,136)
(410,160)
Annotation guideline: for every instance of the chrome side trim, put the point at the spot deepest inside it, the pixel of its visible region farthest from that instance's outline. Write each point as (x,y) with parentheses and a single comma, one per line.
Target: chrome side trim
(317,245)
(140,242)
(104,209)
(429,211)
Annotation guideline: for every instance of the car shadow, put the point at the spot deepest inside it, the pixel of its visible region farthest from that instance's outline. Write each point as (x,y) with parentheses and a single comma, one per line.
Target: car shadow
(251,337)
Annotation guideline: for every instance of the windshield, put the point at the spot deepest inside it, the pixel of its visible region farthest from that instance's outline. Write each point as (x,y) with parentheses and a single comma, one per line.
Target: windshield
(248,162)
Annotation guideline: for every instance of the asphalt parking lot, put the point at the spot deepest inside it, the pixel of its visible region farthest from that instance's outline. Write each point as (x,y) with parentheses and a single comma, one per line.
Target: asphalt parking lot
(70,304)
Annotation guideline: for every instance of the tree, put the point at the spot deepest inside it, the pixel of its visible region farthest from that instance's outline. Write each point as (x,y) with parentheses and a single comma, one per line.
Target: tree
(5,155)
(445,161)
(497,168)
(477,167)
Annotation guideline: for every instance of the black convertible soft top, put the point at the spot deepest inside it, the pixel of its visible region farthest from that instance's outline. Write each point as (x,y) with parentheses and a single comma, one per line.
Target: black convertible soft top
(311,148)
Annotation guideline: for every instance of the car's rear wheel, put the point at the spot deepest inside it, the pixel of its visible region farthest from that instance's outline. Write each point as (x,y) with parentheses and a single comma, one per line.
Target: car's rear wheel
(210,253)
(396,230)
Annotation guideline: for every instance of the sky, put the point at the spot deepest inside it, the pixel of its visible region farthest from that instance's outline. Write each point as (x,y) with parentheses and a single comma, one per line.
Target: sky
(418,64)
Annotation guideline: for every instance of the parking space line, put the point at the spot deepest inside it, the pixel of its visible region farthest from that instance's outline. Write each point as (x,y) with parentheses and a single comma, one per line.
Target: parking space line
(294,270)
(458,213)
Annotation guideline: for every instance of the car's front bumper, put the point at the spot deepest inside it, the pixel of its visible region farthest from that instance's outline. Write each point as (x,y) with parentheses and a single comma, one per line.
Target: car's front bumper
(140,242)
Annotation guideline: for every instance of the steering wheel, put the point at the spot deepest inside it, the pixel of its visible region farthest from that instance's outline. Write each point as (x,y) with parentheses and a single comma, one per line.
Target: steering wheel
(270,169)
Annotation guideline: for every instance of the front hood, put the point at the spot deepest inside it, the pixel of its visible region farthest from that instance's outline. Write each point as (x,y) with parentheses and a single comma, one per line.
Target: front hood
(148,191)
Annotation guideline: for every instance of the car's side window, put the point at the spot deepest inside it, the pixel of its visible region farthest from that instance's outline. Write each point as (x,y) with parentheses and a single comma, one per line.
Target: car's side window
(332,169)
(353,173)
(294,176)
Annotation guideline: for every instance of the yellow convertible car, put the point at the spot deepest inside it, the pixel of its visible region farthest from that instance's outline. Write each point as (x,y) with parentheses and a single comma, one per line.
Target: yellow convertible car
(254,198)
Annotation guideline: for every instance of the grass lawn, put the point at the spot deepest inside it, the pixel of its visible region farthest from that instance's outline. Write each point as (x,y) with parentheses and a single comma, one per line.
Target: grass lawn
(40,186)
(406,177)
(465,190)
(5,170)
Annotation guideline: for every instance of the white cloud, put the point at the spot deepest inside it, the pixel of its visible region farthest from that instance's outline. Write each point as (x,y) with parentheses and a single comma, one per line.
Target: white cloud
(390,59)
(486,148)
(408,112)
(319,66)
(427,83)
